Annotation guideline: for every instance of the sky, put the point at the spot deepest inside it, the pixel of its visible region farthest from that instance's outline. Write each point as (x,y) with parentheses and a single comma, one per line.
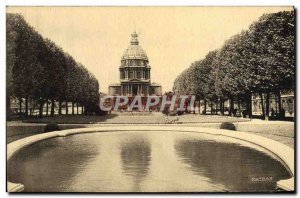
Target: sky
(173,37)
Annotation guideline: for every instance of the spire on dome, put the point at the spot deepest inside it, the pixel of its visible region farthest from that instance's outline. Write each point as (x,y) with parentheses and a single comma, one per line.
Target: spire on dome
(134,40)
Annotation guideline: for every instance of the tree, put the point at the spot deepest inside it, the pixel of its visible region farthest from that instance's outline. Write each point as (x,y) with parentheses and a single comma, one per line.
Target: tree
(260,61)
(39,71)
(273,36)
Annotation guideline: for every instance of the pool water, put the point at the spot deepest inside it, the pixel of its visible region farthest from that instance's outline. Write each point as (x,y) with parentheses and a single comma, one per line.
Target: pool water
(145,162)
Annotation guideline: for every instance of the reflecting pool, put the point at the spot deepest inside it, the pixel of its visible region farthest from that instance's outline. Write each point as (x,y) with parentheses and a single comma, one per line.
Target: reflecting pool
(145,162)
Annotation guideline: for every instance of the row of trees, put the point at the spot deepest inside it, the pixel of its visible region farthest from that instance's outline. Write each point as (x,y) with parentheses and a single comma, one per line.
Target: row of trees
(258,61)
(40,72)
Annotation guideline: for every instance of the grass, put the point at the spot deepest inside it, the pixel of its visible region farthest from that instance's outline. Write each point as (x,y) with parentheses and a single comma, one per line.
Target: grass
(276,130)
(71,119)
(283,132)
(123,118)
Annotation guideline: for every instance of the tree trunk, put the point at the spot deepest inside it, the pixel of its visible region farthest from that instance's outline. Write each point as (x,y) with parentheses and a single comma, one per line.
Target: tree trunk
(231,106)
(262,105)
(221,107)
(217,103)
(26,107)
(279,104)
(211,108)
(249,105)
(52,107)
(267,106)
(41,108)
(47,108)
(194,107)
(59,107)
(8,105)
(20,107)
(276,105)
(73,105)
(77,108)
(204,110)
(67,109)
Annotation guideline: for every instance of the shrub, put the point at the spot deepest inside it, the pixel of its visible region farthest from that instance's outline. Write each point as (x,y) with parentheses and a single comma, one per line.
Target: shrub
(180,112)
(51,127)
(228,126)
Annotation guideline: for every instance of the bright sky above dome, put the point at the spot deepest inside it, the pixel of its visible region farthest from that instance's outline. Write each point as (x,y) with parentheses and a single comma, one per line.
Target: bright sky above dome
(172,37)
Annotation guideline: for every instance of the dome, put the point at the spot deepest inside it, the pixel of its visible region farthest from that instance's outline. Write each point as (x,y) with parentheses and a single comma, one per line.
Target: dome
(134,51)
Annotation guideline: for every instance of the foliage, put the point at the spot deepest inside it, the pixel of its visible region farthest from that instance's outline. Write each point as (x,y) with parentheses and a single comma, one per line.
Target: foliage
(260,60)
(39,70)
(227,126)
(51,127)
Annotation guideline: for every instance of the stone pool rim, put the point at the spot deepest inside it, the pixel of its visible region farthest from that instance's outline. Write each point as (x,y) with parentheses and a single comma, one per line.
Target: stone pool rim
(282,152)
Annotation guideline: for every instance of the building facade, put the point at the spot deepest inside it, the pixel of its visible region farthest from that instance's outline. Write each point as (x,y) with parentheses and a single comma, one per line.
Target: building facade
(135,73)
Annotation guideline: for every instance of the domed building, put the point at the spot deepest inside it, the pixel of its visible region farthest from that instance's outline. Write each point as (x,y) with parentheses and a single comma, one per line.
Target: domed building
(135,78)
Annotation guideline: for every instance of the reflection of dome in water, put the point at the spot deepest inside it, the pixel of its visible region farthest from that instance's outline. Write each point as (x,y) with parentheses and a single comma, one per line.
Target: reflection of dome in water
(136,158)
(134,51)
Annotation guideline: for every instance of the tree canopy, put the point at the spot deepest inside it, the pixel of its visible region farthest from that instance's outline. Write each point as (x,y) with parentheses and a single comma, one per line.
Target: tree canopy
(256,61)
(40,70)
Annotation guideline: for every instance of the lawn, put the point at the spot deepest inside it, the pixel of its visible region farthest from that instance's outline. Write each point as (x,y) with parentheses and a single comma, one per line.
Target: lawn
(281,131)
(125,118)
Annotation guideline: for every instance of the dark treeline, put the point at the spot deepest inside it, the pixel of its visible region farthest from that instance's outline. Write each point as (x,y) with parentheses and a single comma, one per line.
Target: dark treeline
(39,72)
(259,61)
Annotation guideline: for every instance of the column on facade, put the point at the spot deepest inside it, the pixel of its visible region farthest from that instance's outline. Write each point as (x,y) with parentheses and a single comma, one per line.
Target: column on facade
(148,90)
(130,89)
(141,89)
